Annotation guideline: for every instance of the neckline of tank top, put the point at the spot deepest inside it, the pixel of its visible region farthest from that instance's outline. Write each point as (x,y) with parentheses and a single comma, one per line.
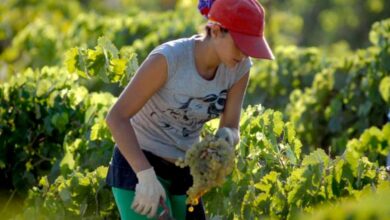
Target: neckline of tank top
(192,56)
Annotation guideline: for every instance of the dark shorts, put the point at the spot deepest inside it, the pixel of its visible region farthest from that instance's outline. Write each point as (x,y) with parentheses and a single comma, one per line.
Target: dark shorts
(121,175)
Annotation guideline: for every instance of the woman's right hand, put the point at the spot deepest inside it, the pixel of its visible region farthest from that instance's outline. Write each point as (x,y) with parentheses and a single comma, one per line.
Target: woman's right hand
(225,134)
(147,193)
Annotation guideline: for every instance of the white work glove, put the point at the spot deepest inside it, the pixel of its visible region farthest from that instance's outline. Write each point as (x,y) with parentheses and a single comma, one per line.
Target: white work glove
(147,193)
(225,134)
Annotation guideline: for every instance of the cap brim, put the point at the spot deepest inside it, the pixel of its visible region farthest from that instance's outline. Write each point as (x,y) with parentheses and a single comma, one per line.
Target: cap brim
(253,46)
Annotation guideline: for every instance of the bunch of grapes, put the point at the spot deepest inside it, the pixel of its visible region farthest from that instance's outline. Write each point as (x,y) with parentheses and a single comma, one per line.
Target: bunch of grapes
(210,161)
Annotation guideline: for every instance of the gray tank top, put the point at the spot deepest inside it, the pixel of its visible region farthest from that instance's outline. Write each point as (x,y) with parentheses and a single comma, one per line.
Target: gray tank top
(171,120)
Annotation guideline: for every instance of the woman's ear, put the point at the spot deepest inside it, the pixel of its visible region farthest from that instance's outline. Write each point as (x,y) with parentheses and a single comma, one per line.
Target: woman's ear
(215,30)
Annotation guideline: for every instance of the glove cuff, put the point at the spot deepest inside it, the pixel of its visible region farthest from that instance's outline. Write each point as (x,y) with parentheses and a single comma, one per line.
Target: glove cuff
(225,133)
(146,174)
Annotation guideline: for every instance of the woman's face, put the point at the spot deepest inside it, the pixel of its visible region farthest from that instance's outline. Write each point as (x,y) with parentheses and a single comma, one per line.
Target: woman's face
(226,49)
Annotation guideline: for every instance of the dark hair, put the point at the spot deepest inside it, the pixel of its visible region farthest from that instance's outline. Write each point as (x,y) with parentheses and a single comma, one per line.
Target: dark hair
(208,31)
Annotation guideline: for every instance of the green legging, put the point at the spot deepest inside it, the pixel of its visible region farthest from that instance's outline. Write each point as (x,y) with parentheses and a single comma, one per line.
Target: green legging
(124,198)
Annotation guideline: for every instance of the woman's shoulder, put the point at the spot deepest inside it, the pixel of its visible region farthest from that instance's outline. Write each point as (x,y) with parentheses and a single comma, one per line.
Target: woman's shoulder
(243,66)
(175,52)
(236,73)
(173,49)
(177,43)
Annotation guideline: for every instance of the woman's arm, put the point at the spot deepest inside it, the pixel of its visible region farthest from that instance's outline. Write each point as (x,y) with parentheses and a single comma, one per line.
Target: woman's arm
(232,112)
(150,77)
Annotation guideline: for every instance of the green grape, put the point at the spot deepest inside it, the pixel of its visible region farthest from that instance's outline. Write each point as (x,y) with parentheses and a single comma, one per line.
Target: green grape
(210,161)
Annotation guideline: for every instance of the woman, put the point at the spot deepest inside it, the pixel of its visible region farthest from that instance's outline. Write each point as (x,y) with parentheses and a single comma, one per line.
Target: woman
(181,85)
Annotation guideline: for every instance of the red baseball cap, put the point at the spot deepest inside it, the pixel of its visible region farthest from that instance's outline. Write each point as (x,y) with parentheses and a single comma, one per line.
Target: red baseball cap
(245,21)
